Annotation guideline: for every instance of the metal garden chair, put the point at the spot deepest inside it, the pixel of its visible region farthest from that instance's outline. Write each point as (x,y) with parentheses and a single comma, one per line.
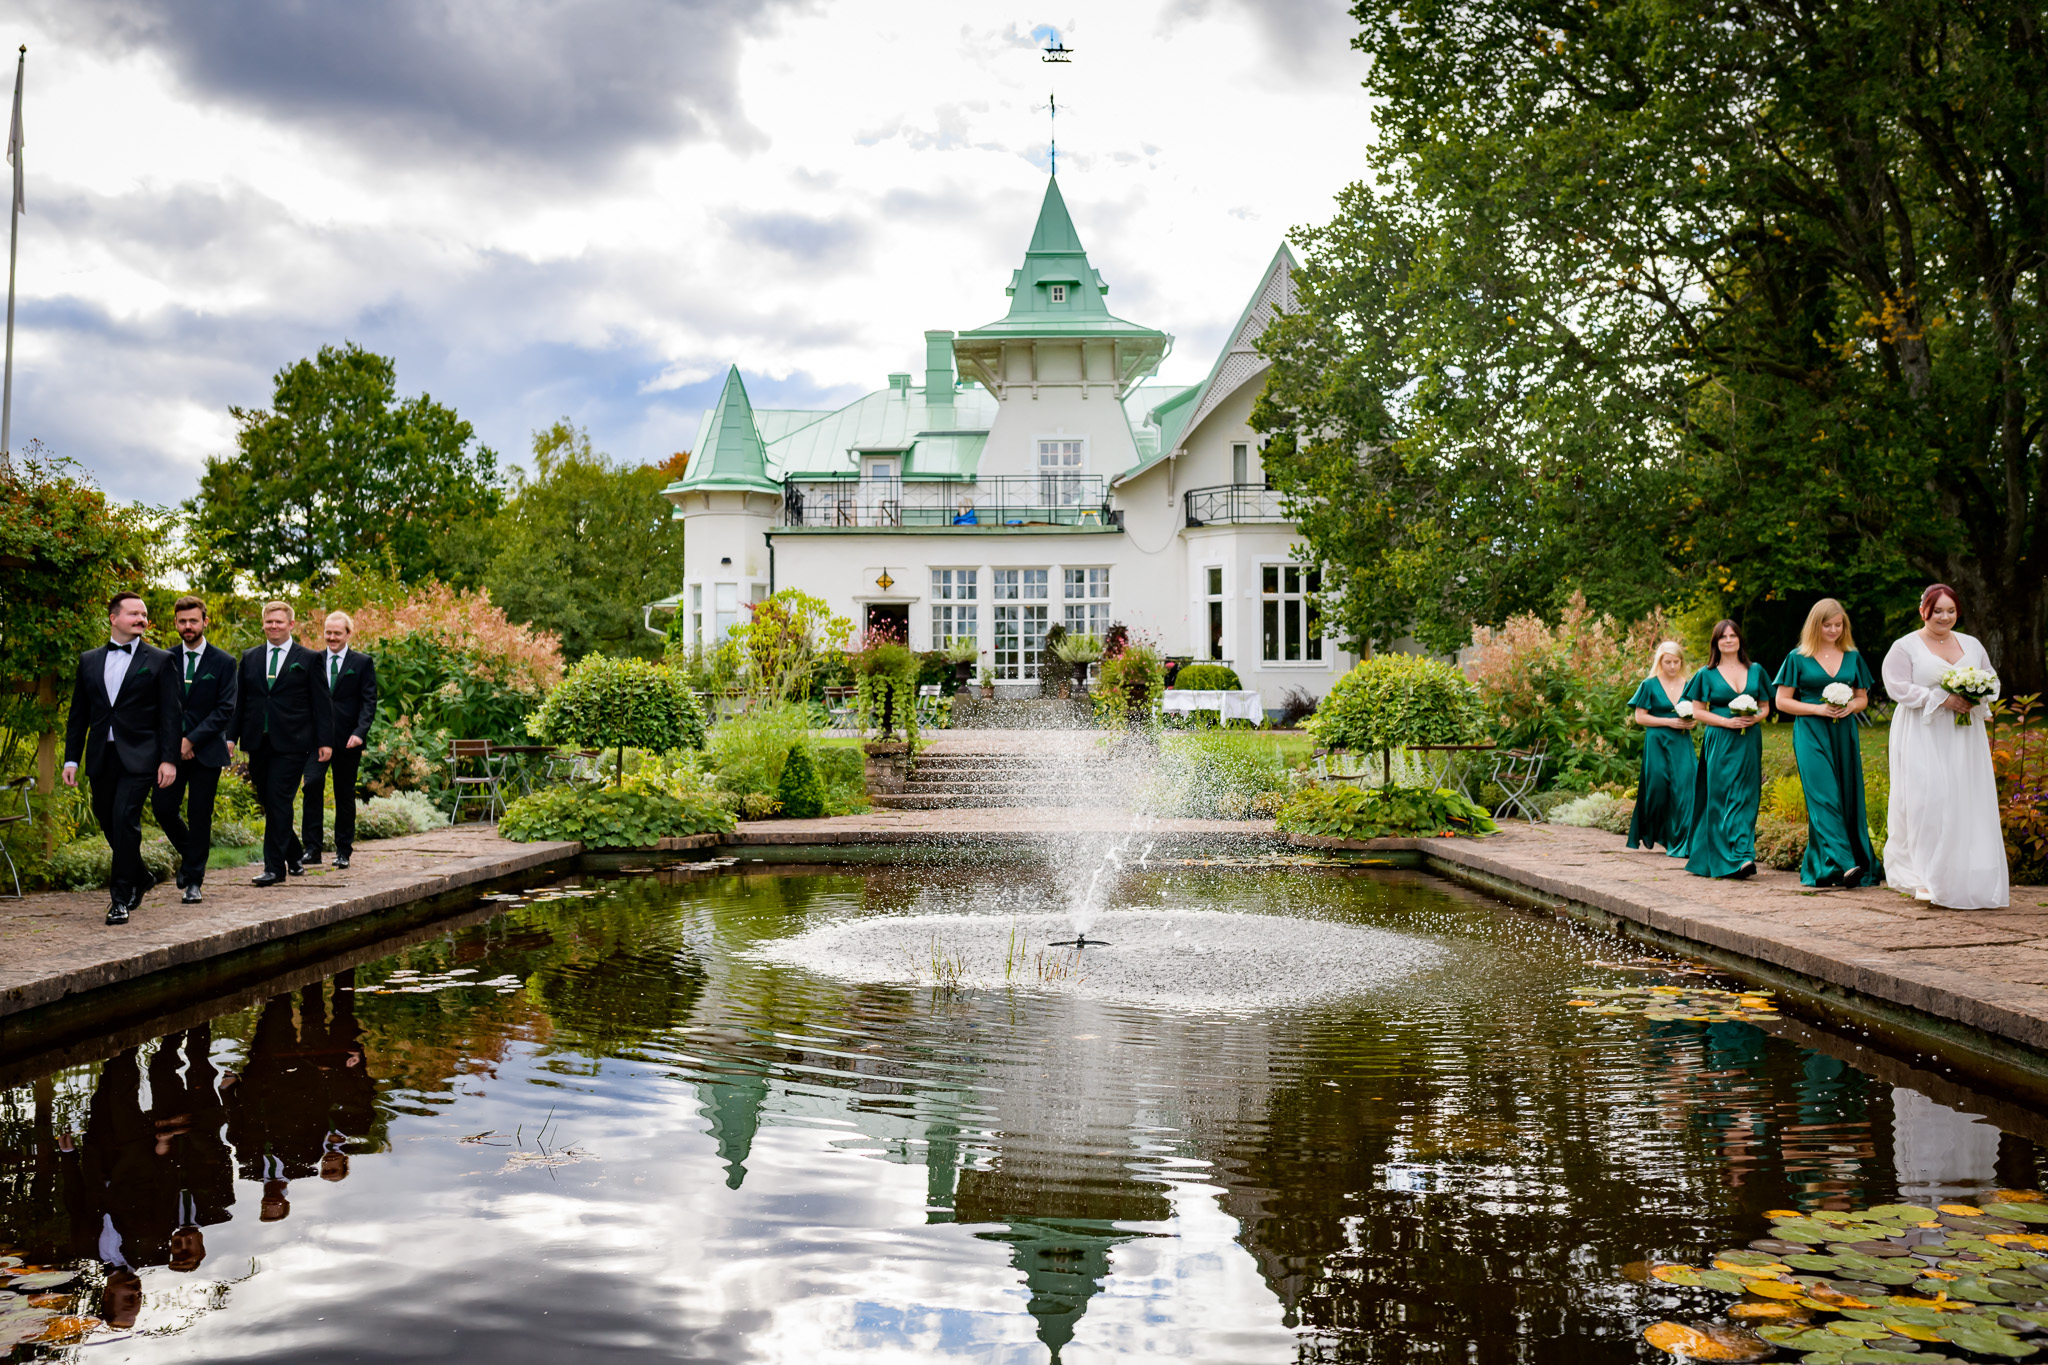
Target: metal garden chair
(1515,772)
(483,780)
(17,788)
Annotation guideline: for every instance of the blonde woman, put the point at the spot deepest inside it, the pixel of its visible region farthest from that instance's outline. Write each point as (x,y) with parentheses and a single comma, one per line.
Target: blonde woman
(1665,786)
(1822,684)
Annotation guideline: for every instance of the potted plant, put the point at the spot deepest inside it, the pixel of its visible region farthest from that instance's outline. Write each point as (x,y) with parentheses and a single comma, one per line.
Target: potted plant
(885,699)
(1055,675)
(1079,653)
(962,653)
(988,685)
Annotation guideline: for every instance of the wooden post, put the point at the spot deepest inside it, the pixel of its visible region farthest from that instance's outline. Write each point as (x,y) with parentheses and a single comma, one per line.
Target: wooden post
(46,742)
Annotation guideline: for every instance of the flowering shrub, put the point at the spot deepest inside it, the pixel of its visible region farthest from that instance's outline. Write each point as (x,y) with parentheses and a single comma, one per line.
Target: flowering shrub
(1567,688)
(1130,682)
(2019,756)
(517,656)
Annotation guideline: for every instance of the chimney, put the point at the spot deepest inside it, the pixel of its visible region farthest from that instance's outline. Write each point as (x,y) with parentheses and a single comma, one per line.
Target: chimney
(938,377)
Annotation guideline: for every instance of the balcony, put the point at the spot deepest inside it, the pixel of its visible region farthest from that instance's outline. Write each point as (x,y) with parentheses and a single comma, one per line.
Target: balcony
(1080,501)
(1234,503)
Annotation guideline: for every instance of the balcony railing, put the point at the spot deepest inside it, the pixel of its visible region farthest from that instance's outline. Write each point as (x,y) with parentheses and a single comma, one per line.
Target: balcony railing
(1000,500)
(1233,502)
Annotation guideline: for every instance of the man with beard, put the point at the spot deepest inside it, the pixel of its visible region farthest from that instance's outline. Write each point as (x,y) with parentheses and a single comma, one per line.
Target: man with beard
(207,682)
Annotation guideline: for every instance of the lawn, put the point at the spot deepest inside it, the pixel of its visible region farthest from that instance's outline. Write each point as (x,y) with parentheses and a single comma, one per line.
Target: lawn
(1874,739)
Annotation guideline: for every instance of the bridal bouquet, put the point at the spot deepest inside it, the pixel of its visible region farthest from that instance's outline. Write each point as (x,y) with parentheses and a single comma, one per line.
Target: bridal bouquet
(1973,684)
(1837,694)
(1744,705)
(1683,708)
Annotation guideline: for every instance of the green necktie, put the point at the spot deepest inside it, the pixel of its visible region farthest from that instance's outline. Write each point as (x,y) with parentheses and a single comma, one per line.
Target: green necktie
(333,667)
(191,666)
(269,684)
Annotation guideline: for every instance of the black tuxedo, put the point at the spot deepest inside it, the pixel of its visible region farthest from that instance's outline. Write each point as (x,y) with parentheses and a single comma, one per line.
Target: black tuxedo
(209,700)
(279,725)
(355,706)
(122,742)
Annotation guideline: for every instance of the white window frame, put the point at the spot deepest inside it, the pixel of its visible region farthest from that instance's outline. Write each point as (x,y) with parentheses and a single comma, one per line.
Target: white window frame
(1058,293)
(1022,600)
(697,614)
(1085,597)
(1215,616)
(1059,482)
(725,610)
(956,606)
(1289,634)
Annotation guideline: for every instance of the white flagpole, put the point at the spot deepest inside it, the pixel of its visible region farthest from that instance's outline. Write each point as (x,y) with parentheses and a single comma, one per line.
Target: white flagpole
(15,208)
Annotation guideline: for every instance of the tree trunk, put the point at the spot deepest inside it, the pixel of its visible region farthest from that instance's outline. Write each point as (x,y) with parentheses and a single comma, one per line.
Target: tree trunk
(2008,611)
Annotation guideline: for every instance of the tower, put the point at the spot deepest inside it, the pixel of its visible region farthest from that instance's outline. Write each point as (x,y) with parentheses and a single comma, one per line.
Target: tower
(728,499)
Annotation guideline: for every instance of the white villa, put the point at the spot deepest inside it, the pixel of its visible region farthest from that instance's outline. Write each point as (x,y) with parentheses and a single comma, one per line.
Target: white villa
(1033,476)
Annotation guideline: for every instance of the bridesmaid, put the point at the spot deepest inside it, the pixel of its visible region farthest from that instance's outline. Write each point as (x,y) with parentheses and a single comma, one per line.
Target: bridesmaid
(1838,851)
(1664,789)
(1730,787)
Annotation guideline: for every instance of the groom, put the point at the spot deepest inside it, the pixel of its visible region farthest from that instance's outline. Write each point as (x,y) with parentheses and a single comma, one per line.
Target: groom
(125,723)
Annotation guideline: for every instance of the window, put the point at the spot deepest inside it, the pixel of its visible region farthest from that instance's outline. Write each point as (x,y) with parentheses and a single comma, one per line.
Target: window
(1293,632)
(953,607)
(1020,620)
(1214,586)
(881,471)
(1059,293)
(1059,469)
(1241,463)
(727,609)
(1087,602)
(696,613)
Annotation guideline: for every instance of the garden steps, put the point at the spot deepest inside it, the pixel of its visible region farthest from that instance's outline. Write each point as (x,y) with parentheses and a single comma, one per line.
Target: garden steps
(958,778)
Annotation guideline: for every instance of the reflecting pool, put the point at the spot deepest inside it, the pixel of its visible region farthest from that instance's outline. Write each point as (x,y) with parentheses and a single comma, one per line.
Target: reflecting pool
(606,1121)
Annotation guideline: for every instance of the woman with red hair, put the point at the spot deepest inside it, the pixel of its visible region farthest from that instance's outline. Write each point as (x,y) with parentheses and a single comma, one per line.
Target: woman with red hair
(1944,844)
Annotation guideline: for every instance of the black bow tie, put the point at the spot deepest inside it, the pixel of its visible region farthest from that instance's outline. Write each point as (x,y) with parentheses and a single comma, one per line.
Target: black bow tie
(121,649)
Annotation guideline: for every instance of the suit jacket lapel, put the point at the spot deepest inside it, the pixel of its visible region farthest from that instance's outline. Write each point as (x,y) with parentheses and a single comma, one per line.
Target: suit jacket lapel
(135,663)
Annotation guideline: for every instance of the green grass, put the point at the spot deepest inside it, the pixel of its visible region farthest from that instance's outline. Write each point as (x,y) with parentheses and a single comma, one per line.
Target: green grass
(234,857)
(1875,741)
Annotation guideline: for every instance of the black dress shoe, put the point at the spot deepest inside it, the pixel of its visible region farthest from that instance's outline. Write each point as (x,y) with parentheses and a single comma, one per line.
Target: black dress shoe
(267,879)
(1853,877)
(312,857)
(180,879)
(340,862)
(192,894)
(117,913)
(1746,870)
(296,869)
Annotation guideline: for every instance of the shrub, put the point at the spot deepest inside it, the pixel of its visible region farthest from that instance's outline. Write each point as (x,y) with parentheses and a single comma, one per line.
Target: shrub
(759,806)
(1129,686)
(747,752)
(1567,688)
(608,703)
(782,641)
(1780,843)
(843,770)
(634,815)
(402,813)
(234,834)
(1585,812)
(800,790)
(1785,798)
(2019,758)
(1207,678)
(1213,775)
(405,757)
(87,863)
(1352,812)
(1054,670)
(1297,704)
(885,688)
(1392,701)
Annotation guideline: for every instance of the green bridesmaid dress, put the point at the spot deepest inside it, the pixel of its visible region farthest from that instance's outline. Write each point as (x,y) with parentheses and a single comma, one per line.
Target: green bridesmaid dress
(1730,785)
(1664,790)
(1831,771)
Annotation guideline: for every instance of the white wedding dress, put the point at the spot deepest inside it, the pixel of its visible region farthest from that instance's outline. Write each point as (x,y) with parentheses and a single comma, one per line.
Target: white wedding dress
(1943,842)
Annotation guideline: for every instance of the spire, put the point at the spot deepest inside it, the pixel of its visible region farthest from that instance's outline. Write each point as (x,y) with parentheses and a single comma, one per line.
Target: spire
(731,453)
(1055,230)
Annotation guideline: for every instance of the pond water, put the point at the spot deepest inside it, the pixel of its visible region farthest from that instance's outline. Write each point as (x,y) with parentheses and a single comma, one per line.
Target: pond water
(602,1123)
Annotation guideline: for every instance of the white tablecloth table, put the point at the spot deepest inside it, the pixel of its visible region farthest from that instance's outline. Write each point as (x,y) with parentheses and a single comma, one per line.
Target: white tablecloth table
(1232,705)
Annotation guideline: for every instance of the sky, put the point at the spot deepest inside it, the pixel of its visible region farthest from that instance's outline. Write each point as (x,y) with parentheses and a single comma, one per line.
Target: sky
(590,208)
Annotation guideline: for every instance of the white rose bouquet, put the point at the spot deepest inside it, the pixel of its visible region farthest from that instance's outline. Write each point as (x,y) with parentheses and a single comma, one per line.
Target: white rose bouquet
(1972,684)
(1743,705)
(1837,694)
(1684,708)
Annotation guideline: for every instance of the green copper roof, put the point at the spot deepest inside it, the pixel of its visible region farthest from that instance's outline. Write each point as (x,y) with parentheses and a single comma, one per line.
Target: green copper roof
(1056,260)
(729,453)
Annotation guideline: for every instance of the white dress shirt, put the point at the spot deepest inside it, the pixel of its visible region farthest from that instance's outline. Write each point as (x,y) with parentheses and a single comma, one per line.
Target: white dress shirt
(334,661)
(196,653)
(117,663)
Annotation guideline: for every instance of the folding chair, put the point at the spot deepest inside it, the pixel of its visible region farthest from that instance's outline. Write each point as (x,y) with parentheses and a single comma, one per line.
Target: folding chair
(485,781)
(1516,772)
(16,787)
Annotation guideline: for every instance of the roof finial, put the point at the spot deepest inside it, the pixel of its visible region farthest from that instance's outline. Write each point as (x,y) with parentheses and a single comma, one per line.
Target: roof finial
(1054,51)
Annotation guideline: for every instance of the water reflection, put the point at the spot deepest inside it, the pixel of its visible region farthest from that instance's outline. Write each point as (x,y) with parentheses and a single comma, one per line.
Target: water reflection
(650,1144)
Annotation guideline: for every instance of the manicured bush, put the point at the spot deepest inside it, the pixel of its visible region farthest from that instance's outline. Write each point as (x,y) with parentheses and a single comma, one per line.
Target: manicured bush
(608,703)
(800,791)
(1392,701)
(1207,678)
(1338,811)
(634,815)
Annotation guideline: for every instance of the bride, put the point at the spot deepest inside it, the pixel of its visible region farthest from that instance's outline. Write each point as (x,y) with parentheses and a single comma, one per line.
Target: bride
(1944,843)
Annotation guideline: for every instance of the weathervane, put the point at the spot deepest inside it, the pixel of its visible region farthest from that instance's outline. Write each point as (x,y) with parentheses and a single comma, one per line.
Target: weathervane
(1056,51)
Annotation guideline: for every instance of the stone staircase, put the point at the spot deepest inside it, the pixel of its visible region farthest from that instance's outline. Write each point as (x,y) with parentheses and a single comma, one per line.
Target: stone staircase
(963,775)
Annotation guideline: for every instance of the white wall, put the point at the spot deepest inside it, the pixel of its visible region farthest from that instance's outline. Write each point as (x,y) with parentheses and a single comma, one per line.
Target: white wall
(719,526)
(1059,404)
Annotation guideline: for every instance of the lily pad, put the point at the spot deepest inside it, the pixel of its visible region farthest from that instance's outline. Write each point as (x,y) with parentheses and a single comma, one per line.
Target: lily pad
(42,1279)
(1916,1213)
(1985,1339)
(1707,1343)
(1771,1311)
(2019,1213)
(1745,1258)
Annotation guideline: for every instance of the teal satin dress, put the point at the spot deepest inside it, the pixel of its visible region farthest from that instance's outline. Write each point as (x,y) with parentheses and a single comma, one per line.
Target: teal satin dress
(1670,769)
(1831,772)
(1730,785)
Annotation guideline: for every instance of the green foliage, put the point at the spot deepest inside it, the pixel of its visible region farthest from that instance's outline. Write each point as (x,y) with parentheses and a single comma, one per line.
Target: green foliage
(63,551)
(89,863)
(1342,811)
(608,703)
(1128,687)
(885,695)
(1608,312)
(746,753)
(783,641)
(402,813)
(634,815)
(1565,689)
(1214,775)
(403,757)
(582,544)
(1054,671)
(438,686)
(800,790)
(1207,678)
(1604,809)
(340,469)
(1391,701)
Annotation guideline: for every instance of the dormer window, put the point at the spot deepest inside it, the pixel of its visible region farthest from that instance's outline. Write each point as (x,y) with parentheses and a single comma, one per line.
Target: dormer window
(1059,293)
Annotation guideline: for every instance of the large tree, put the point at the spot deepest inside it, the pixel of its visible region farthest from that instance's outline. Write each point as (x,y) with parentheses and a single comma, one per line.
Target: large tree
(1657,299)
(339,469)
(584,544)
